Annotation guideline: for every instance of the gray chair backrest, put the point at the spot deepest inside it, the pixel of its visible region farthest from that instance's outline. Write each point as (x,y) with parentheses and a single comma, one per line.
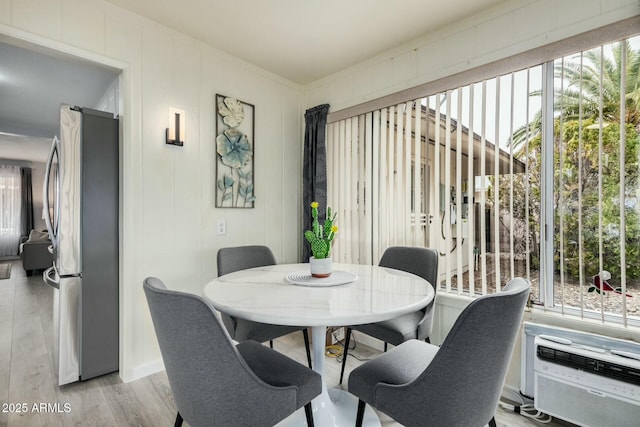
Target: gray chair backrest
(462,384)
(422,262)
(210,381)
(243,257)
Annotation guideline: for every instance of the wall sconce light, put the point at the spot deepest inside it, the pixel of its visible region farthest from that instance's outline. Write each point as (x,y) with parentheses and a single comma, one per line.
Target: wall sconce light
(176,129)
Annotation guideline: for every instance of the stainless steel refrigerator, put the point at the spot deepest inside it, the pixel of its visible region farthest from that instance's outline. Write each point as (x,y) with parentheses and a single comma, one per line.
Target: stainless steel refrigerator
(81,210)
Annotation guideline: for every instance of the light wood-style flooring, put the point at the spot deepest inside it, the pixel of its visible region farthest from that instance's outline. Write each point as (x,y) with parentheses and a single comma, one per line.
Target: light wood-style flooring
(27,379)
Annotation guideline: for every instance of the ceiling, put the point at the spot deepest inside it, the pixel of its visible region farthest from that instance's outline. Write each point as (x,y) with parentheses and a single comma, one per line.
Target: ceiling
(33,84)
(300,40)
(305,40)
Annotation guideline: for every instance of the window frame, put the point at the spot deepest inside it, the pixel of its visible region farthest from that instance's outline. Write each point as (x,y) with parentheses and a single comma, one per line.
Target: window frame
(543,56)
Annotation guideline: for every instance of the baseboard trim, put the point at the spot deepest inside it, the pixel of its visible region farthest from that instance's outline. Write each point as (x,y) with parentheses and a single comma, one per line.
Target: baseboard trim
(143,370)
(368,340)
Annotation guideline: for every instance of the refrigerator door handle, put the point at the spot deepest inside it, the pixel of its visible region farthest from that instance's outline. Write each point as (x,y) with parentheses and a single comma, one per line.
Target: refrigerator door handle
(51,278)
(45,192)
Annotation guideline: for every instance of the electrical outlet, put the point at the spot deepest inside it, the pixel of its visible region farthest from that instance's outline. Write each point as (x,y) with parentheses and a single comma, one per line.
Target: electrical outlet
(221,227)
(339,334)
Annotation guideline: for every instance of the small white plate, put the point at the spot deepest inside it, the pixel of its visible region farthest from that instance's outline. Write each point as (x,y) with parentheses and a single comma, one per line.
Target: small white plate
(304,278)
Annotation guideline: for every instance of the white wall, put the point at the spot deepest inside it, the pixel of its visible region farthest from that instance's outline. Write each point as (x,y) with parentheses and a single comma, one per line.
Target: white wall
(110,101)
(168,216)
(510,28)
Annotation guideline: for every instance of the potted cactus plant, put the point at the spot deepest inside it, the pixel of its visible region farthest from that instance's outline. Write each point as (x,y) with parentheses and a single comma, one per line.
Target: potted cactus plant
(320,238)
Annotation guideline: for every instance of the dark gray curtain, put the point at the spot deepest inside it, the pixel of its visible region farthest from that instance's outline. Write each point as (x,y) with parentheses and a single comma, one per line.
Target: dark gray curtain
(314,174)
(27,201)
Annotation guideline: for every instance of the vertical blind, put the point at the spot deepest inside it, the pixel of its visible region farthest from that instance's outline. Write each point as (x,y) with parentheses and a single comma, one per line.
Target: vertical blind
(428,173)
(10,210)
(533,173)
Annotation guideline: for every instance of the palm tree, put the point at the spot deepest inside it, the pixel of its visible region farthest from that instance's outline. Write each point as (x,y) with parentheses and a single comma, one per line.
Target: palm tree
(588,82)
(582,86)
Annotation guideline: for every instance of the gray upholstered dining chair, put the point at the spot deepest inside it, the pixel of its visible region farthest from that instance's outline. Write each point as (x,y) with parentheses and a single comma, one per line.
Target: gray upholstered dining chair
(214,381)
(242,258)
(422,262)
(456,384)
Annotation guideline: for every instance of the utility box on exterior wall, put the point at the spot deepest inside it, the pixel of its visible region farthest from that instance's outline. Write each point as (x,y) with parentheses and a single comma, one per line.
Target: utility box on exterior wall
(335,334)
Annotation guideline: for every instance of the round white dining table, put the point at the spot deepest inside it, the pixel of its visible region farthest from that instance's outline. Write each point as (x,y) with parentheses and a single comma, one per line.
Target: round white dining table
(285,294)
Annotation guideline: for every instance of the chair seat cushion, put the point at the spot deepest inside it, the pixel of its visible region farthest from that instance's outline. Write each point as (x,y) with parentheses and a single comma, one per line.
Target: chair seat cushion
(260,332)
(394,331)
(400,365)
(280,371)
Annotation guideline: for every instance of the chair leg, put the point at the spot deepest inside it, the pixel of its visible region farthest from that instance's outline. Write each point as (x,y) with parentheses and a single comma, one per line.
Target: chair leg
(385,347)
(492,422)
(305,333)
(345,353)
(360,416)
(309,413)
(178,420)
(271,343)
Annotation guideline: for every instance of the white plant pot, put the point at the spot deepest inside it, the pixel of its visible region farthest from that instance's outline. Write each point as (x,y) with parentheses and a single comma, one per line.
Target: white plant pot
(320,267)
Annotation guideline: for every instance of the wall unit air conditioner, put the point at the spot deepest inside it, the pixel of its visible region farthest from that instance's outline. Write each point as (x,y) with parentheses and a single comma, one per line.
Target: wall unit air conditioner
(586,379)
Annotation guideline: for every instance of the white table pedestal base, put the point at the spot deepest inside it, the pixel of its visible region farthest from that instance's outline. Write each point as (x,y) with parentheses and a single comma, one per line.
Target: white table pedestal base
(333,407)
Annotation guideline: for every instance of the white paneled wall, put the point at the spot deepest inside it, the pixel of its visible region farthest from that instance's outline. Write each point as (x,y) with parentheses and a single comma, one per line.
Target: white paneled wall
(168,214)
(110,101)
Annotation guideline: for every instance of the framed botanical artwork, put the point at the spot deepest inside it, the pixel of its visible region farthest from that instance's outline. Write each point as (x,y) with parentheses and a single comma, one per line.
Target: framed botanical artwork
(235,130)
